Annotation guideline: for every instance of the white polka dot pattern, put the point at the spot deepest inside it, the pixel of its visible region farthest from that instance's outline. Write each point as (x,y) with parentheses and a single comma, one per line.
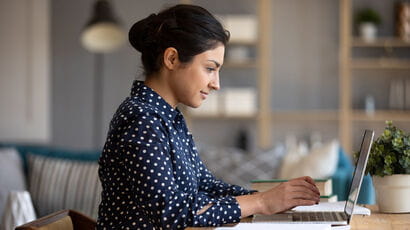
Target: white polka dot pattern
(151,174)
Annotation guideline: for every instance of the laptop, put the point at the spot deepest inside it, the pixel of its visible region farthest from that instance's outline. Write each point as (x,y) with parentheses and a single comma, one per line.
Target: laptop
(333,218)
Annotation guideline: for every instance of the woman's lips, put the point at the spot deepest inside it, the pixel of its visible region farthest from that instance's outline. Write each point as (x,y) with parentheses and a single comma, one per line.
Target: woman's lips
(204,95)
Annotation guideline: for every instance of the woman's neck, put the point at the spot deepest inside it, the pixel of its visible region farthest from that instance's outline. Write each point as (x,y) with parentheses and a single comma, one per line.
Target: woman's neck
(159,84)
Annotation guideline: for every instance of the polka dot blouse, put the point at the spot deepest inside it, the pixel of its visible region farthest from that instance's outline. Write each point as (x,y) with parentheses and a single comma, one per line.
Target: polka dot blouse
(151,174)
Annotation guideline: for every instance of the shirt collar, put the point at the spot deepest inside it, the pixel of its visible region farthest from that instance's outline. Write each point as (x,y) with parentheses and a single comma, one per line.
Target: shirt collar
(153,99)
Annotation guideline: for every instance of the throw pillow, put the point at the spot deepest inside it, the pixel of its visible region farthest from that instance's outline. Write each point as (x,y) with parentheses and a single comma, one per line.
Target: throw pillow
(235,166)
(19,210)
(221,161)
(257,166)
(11,174)
(320,162)
(57,184)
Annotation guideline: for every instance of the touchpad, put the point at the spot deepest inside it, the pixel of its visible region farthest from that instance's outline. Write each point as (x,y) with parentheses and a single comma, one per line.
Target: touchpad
(286,217)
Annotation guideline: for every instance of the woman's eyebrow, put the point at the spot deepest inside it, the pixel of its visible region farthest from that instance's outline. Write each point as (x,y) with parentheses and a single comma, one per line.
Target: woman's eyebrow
(215,62)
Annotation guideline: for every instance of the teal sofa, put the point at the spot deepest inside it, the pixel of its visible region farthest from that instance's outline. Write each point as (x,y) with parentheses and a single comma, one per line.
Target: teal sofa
(58,179)
(341,178)
(60,153)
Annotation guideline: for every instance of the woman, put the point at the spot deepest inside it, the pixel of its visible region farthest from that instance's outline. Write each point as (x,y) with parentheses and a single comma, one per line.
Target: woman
(150,170)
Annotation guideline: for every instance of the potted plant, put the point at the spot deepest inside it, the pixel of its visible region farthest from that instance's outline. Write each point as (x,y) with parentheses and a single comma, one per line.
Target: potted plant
(367,21)
(389,165)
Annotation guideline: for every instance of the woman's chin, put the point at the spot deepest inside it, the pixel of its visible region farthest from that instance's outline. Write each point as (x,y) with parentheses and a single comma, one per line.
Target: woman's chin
(194,104)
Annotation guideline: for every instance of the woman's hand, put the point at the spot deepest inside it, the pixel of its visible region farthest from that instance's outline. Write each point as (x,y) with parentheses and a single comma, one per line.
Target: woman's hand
(295,192)
(287,195)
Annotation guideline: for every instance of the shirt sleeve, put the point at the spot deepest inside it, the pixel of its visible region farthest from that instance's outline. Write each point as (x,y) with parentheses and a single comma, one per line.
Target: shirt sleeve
(150,172)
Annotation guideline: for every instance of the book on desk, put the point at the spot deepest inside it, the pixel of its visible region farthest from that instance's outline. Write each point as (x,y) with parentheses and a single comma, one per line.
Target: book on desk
(324,186)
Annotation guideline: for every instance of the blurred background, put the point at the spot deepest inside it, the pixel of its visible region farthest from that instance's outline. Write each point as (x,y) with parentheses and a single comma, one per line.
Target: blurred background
(50,83)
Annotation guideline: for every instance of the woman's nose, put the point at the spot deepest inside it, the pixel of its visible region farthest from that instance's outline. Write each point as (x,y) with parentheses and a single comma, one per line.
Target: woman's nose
(214,84)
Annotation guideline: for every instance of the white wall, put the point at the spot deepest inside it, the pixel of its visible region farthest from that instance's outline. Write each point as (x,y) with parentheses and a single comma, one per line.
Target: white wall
(73,70)
(24,71)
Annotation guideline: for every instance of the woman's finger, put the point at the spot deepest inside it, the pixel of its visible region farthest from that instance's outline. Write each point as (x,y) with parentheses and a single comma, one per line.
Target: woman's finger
(305,196)
(305,184)
(301,202)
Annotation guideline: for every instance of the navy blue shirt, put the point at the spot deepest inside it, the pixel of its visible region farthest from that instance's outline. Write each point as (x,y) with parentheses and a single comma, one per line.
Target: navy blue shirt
(151,174)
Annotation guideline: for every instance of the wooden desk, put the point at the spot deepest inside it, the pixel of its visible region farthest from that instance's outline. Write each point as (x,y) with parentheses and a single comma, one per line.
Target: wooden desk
(382,221)
(376,221)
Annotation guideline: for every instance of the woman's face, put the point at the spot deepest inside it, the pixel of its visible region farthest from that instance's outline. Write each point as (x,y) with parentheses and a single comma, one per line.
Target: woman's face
(193,82)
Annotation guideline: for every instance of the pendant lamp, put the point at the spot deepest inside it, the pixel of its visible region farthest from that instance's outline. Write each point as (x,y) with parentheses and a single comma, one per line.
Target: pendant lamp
(103,33)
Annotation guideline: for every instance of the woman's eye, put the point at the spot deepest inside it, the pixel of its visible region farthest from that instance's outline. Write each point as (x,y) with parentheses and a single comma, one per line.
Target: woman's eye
(210,69)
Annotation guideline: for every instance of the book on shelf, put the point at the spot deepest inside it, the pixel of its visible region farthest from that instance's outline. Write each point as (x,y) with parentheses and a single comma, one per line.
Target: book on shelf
(397,94)
(407,94)
(324,185)
(330,198)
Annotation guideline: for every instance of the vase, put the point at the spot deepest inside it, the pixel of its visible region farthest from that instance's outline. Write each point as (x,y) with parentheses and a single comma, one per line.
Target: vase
(393,193)
(368,32)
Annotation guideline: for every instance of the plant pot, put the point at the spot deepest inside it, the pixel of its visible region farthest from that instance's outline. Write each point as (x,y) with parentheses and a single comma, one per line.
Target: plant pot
(393,193)
(368,31)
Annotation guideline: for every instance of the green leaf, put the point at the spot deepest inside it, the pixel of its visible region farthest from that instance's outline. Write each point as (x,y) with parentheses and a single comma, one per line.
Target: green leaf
(390,153)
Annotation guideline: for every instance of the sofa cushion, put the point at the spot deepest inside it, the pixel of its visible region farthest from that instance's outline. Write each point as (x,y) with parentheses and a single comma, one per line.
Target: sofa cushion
(57,184)
(11,175)
(320,162)
(18,210)
(235,166)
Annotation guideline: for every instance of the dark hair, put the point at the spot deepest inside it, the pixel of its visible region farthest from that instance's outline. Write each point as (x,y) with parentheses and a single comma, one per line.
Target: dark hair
(190,29)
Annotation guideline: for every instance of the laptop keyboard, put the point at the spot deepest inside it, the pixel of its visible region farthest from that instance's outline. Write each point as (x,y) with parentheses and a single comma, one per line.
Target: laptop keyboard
(317,216)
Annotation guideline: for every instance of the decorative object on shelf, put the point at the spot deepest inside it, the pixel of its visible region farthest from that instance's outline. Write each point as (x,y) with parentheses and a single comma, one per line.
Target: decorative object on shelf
(318,162)
(103,32)
(397,94)
(238,54)
(369,105)
(407,94)
(403,21)
(242,140)
(229,102)
(209,107)
(242,27)
(243,31)
(389,165)
(367,21)
(239,101)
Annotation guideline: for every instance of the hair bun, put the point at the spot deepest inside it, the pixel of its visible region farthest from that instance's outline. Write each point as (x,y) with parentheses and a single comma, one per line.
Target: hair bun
(140,34)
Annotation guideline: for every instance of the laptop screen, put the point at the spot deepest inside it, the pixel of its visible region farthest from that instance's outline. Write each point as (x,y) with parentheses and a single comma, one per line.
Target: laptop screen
(359,171)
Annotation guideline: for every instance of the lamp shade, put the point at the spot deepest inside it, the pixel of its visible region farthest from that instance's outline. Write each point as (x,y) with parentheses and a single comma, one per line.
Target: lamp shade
(103,33)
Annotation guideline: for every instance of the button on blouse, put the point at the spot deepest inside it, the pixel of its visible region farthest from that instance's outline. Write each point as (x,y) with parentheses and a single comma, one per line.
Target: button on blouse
(151,174)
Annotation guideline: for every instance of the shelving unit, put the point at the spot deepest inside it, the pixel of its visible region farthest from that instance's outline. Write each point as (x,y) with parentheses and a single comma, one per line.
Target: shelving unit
(243,65)
(384,42)
(263,75)
(380,63)
(381,115)
(347,63)
(305,115)
(345,115)
(246,64)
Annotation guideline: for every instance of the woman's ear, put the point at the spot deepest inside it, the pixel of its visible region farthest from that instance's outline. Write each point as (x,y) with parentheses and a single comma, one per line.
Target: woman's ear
(170,58)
